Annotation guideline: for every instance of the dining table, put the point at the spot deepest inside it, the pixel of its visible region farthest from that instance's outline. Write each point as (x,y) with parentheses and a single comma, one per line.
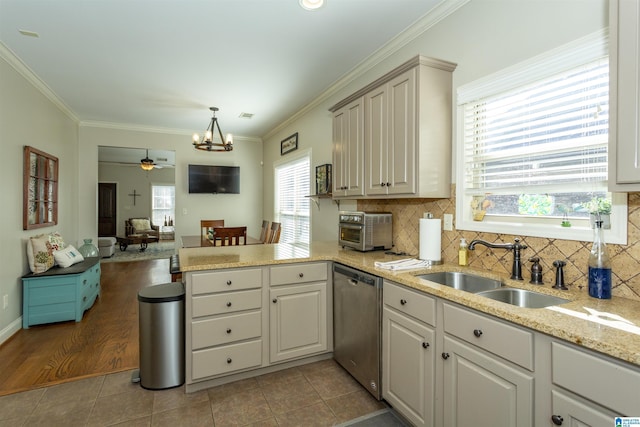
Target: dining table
(194,241)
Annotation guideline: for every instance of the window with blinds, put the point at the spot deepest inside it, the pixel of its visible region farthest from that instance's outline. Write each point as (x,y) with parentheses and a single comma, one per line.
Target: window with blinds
(533,142)
(292,185)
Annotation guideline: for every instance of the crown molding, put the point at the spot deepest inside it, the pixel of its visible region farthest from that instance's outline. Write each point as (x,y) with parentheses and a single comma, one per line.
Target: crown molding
(14,61)
(435,15)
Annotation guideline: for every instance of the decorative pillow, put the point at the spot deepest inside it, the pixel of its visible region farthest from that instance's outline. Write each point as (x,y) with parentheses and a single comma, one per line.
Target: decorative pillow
(40,253)
(56,240)
(68,256)
(140,224)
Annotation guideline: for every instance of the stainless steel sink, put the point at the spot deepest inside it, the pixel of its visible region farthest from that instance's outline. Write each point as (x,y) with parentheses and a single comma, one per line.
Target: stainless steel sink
(463,281)
(522,297)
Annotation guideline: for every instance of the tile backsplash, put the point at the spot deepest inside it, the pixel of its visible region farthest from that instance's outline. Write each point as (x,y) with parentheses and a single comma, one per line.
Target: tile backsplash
(625,258)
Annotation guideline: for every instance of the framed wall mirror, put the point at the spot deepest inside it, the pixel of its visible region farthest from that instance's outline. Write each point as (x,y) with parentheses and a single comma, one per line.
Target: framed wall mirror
(40,189)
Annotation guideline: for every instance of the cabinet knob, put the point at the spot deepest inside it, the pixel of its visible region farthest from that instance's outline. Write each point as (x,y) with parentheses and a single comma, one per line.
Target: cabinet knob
(388,184)
(477,332)
(557,419)
(228,330)
(84,282)
(445,356)
(403,301)
(382,184)
(229,304)
(425,345)
(300,275)
(275,300)
(228,282)
(84,298)
(229,360)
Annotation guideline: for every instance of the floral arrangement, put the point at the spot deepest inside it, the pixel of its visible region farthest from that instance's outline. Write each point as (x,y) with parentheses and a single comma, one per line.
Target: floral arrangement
(598,205)
(479,206)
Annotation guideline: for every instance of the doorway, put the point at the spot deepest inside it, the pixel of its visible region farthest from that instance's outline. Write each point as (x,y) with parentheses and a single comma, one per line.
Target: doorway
(107,209)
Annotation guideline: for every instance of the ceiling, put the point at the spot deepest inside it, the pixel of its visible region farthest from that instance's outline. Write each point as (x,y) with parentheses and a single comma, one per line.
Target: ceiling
(162,63)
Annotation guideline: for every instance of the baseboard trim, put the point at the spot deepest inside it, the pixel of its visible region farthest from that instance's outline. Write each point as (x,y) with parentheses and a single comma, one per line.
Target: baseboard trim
(10,330)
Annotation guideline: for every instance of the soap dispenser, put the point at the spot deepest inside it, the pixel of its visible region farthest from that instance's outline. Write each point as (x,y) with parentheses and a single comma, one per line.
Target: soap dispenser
(463,253)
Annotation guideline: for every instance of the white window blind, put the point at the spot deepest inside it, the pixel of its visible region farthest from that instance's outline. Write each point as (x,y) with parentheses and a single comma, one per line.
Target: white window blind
(544,135)
(292,205)
(162,203)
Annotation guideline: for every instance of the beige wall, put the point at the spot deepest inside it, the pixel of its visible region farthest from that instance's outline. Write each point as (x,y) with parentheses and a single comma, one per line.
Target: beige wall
(482,37)
(27,117)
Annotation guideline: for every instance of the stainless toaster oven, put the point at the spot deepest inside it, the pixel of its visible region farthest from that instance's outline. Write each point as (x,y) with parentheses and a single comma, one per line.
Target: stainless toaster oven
(366,231)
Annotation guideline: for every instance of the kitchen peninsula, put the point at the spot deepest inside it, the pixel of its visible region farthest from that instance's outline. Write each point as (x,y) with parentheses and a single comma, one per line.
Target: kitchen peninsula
(585,333)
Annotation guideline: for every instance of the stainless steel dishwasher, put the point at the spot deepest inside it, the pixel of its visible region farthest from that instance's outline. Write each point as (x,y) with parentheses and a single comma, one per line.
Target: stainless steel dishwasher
(357,324)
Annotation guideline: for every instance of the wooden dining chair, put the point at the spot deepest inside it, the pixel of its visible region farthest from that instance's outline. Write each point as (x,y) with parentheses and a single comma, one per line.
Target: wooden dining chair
(274,233)
(207,225)
(230,236)
(264,231)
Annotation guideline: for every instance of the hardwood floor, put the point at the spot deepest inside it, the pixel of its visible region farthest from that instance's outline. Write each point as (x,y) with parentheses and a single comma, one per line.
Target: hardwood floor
(105,341)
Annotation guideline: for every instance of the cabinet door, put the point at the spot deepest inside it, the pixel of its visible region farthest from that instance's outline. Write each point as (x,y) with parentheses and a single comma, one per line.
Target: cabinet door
(297,321)
(573,412)
(401,150)
(348,150)
(376,141)
(483,391)
(408,359)
(624,120)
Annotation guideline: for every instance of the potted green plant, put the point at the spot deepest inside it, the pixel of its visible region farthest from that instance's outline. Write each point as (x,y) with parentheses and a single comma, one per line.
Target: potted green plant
(599,209)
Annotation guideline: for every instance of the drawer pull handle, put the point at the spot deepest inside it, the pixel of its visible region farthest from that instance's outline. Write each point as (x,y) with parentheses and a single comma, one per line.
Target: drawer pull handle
(445,356)
(229,304)
(228,330)
(228,282)
(275,300)
(403,301)
(229,360)
(425,345)
(84,282)
(557,419)
(84,298)
(477,332)
(301,275)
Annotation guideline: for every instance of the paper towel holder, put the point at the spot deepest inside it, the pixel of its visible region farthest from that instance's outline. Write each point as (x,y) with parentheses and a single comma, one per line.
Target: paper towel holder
(430,262)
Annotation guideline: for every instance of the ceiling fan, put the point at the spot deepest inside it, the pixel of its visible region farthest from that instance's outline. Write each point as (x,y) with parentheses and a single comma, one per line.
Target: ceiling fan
(147,163)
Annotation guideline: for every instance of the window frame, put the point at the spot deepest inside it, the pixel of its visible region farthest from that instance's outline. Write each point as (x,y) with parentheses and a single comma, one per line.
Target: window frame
(567,56)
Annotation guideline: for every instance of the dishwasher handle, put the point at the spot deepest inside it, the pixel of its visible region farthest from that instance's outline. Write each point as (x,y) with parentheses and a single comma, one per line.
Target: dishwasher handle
(356,275)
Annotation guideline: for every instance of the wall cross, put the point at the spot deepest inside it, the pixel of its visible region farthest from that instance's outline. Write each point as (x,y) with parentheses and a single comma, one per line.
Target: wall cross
(134,195)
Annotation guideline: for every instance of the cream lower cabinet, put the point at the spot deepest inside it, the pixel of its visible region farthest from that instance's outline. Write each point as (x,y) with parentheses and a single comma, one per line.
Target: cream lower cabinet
(488,364)
(589,389)
(298,321)
(408,353)
(224,322)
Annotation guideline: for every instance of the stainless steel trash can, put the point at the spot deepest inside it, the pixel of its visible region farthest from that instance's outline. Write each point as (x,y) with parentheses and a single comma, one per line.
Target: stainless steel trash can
(161,309)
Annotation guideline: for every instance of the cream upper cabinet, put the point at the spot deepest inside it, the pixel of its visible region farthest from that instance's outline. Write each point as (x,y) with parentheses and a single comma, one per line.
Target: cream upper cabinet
(390,137)
(624,95)
(348,150)
(407,132)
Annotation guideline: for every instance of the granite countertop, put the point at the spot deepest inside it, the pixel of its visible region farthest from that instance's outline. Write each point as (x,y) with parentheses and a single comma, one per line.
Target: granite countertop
(610,326)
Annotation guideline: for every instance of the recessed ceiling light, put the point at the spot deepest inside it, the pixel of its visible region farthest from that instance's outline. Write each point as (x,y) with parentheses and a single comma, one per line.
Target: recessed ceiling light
(29,33)
(311,4)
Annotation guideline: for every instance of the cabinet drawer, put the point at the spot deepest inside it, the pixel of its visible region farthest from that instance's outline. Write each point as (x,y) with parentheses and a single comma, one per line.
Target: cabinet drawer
(226,359)
(226,280)
(298,273)
(512,343)
(227,302)
(411,302)
(63,292)
(604,381)
(223,330)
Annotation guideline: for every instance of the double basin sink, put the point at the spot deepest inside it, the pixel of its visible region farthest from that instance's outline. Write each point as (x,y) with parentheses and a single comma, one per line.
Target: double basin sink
(492,289)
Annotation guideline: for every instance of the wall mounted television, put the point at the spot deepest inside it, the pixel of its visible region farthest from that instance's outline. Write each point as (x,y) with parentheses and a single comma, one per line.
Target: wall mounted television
(212,179)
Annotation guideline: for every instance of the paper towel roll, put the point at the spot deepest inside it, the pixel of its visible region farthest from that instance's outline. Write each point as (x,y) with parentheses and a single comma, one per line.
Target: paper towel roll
(430,239)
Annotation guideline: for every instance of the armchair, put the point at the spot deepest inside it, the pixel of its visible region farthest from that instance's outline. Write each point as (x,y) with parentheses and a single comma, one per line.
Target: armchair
(141,226)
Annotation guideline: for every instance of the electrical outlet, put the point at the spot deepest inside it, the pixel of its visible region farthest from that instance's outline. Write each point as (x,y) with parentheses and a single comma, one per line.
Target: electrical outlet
(5,301)
(448,222)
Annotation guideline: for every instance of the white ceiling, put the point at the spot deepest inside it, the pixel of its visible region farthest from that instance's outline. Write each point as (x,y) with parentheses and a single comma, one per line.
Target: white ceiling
(163,63)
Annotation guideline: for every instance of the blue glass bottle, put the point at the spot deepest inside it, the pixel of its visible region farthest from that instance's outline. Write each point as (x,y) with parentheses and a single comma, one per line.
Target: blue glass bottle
(599,267)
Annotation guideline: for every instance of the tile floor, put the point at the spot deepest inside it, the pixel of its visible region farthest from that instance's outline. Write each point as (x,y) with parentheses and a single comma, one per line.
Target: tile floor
(317,394)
